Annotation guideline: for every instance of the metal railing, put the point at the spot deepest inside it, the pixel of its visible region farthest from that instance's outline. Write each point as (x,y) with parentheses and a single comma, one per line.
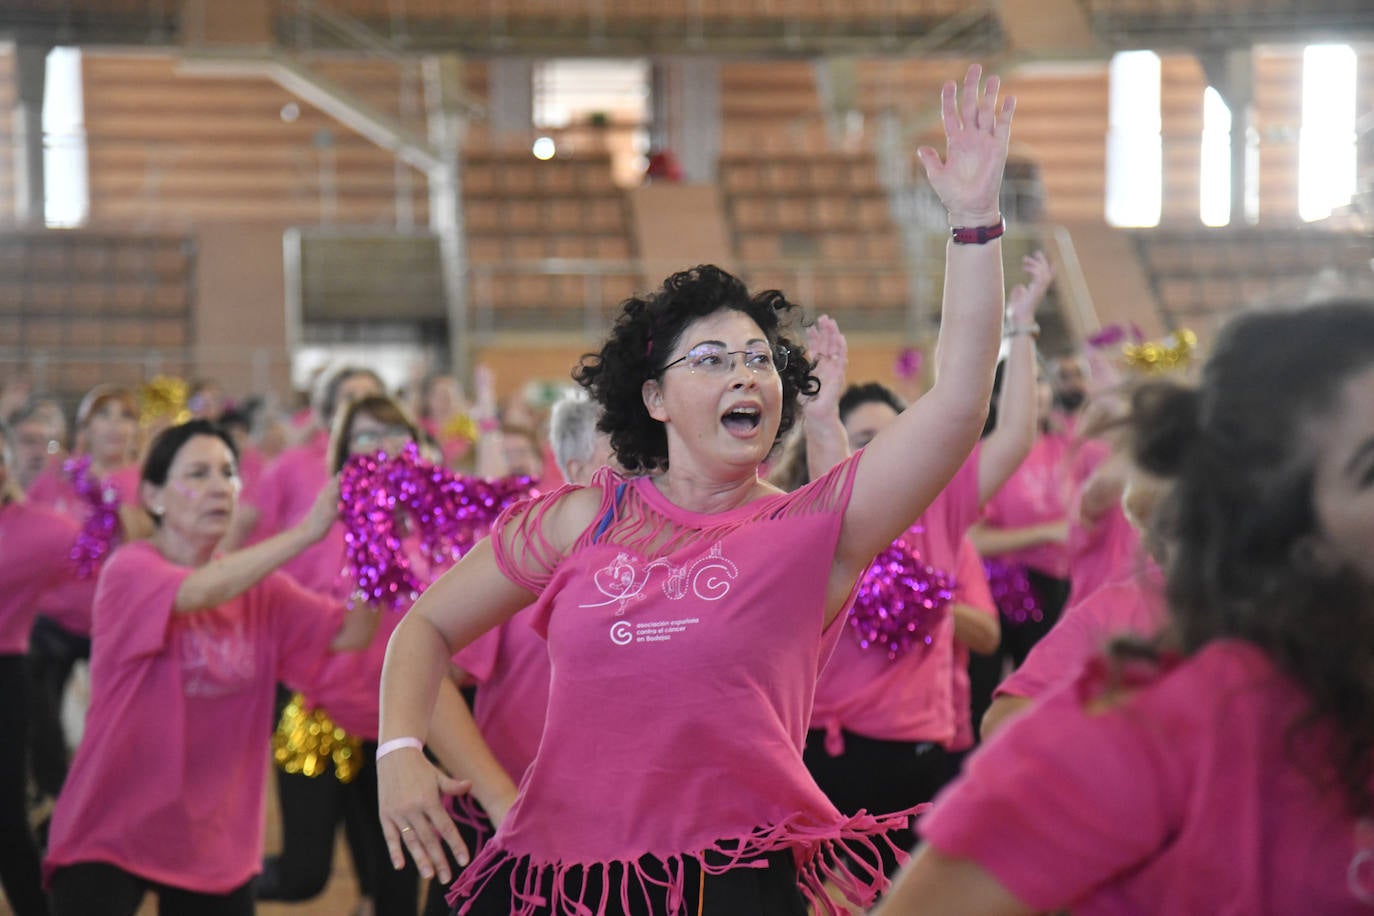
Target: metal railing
(634,26)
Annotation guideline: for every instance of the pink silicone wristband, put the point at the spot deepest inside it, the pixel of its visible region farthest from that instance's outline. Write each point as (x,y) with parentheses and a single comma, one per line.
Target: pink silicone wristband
(395,744)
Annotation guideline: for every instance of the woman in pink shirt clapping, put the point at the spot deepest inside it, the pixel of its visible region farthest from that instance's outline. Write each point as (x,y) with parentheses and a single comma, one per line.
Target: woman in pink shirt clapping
(1225,768)
(689,608)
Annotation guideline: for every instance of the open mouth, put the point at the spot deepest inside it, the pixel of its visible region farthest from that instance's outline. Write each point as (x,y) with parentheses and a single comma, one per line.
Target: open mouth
(742,420)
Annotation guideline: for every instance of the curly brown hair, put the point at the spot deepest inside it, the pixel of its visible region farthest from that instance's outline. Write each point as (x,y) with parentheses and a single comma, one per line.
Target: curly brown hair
(648,330)
(1241,512)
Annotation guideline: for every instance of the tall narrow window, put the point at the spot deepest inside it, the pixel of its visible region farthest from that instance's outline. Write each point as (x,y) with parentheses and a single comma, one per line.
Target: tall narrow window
(1134,147)
(66,194)
(1214,204)
(1326,143)
(597,105)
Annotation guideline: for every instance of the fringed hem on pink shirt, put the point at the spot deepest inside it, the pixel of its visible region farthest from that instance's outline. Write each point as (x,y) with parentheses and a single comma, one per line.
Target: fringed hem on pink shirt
(465,810)
(844,855)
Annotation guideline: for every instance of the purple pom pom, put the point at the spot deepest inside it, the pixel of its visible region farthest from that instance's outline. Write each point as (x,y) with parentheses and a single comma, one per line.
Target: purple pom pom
(1012,592)
(100,532)
(900,601)
(448,512)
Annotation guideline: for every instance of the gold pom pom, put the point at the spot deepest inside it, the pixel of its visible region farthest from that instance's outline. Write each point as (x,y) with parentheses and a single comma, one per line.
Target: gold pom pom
(307,741)
(460,426)
(1174,352)
(163,398)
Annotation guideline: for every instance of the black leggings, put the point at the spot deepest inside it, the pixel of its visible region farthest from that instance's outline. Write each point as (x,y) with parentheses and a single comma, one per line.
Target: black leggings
(311,808)
(879,777)
(19,871)
(744,891)
(96,887)
(435,902)
(987,671)
(53,653)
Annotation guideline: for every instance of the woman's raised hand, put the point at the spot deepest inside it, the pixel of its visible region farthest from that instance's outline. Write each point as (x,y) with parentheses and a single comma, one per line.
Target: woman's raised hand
(969,178)
(1025,298)
(827,346)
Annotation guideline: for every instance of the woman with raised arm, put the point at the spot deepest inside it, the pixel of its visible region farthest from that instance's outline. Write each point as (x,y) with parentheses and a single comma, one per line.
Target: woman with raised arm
(885,707)
(1228,767)
(688,609)
(166,790)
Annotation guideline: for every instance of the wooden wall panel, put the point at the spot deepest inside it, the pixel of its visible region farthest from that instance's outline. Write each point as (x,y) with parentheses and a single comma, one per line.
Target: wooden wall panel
(8,97)
(1182,86)
(770,106)
(836,11)
(169,148)
(1061,125)
(1278,114)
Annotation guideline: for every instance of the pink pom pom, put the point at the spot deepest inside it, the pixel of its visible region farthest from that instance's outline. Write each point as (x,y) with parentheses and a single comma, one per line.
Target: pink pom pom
(100,532)
(909,362)
(900,601)
(448,512)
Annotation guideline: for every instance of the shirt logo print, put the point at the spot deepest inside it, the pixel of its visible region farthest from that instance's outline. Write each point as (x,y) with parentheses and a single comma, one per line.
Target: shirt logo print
(622,634)
(624,580)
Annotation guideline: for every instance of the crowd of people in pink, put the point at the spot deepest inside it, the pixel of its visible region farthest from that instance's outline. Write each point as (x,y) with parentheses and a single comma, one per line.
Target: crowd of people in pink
(722,631)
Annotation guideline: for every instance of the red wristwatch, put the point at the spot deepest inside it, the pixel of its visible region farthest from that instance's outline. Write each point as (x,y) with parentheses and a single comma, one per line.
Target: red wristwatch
(978,235)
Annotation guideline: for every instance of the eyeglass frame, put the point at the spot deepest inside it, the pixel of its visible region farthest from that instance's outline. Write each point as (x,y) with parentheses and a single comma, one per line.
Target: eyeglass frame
(780,357)
(377,436)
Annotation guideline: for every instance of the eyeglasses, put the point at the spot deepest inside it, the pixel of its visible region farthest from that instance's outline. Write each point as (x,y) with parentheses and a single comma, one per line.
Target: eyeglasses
(715,359)
(365,439)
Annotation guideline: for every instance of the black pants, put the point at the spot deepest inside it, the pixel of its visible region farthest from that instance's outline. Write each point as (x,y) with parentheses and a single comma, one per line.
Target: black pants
(879,777)
(311,809)
(19,870)
(770,891)
(987,671)
(435,904)
(88,888)
(53,652)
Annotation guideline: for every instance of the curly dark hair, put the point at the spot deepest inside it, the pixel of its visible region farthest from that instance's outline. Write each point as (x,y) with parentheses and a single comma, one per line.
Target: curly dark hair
(645,335)
(1240,518)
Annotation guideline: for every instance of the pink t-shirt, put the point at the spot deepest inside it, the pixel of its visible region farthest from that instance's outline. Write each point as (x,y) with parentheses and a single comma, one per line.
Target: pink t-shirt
(1132,606)
(684,650)
(972,591)
(347,685)
(1109,550)
(53,488)
(70,608)
(251,468)
(908,698)
(168,780)
(35,558)
(285,493)
(1039,491)
(1190,796)
(511,666)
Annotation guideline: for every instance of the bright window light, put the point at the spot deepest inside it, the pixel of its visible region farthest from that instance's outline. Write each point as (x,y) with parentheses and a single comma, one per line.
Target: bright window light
(569,90)
(1326,143)
(66,189)
(1134,147)
(1214,204)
